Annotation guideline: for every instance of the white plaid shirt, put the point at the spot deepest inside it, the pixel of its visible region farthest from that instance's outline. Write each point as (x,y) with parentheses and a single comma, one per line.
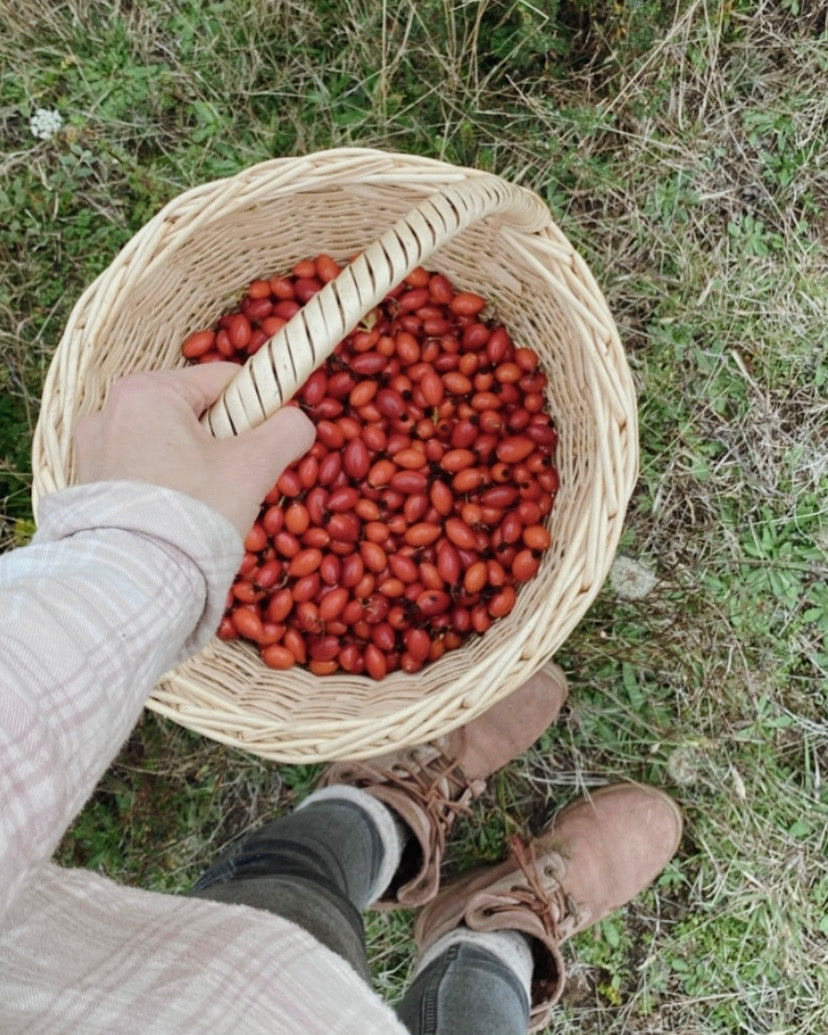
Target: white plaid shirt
(122,581)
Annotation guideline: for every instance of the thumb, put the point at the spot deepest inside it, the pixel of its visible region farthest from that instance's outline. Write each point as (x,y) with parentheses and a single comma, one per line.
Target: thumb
(277,442)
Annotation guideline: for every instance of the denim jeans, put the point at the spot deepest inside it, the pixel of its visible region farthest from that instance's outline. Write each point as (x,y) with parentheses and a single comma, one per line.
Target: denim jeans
(316,867)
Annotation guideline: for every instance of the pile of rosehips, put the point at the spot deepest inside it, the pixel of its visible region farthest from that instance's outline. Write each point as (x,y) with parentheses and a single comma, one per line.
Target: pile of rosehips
(419,509)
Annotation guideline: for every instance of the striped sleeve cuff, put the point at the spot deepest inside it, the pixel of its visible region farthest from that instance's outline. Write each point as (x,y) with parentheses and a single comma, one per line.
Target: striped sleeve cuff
(192,534)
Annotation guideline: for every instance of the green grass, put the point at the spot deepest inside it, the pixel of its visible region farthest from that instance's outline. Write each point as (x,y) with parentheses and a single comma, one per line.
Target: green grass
(682,146)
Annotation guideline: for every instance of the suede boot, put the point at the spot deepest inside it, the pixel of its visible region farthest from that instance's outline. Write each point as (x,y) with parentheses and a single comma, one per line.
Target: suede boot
(596,855)
(428,786)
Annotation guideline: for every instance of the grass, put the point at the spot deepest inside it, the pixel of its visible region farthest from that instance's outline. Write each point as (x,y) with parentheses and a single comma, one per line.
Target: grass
(683,147)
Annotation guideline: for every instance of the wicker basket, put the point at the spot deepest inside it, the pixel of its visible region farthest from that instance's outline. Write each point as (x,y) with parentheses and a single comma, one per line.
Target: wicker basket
(191,262)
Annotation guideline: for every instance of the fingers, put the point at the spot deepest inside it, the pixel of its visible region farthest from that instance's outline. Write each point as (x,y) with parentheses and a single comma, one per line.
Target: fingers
(148,431)
(198,386)
(250,464)
(201,385)
(280,440)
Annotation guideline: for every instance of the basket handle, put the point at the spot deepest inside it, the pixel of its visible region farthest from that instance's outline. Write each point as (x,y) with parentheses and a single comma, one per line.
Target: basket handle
(272,375)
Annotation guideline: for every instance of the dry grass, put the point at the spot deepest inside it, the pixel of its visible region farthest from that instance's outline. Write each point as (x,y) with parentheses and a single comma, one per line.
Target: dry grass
(684,149)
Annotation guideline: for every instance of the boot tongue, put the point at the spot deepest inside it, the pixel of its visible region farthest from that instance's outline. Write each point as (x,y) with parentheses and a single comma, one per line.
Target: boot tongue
(483,746)
(508,728)
(494,910)
(537,906)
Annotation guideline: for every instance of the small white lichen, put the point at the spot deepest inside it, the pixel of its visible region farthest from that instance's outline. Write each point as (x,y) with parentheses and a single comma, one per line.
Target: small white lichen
(631,579)
(685,764)
(45,123)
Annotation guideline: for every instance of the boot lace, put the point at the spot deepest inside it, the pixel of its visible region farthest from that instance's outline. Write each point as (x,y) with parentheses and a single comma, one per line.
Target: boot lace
(552,904)
(425,784)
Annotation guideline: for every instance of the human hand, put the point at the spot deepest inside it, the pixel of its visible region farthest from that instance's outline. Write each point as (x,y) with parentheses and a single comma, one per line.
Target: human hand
(148,430)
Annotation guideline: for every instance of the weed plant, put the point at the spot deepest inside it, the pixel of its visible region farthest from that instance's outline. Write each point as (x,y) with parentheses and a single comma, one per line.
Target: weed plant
(682,147)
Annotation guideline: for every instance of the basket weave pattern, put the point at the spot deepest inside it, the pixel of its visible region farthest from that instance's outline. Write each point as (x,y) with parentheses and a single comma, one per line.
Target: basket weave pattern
(192,261)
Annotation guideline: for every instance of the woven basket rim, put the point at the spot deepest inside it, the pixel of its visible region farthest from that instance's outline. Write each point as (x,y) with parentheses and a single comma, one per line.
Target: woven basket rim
(586,558)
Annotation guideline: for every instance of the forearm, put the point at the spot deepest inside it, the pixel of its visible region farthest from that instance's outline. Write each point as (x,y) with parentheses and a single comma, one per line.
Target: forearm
(122,581)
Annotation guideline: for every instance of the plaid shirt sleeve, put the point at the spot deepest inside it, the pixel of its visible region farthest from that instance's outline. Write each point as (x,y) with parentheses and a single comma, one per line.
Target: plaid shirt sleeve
(122,581)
